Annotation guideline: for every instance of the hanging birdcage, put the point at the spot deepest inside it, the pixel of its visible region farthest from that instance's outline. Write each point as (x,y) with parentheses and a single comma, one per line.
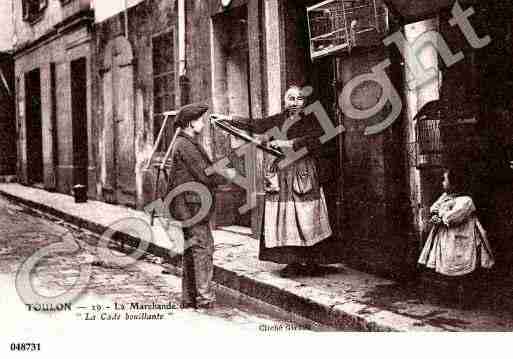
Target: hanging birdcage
(340,25)
(428,135)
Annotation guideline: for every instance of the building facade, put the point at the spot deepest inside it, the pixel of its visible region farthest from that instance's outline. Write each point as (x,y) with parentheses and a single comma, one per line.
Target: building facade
(240,59)
(54,100)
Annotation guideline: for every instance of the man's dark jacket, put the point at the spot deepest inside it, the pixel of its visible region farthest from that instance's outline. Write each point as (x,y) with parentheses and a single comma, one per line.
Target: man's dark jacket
(189,164)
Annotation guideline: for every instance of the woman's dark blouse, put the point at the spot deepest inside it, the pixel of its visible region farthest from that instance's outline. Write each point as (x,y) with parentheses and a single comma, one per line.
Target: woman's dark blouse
(305,132)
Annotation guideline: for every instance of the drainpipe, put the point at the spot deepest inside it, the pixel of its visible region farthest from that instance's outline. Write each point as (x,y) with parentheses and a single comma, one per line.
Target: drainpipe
(126,19)
(183,81)
(14,39)
(181,37)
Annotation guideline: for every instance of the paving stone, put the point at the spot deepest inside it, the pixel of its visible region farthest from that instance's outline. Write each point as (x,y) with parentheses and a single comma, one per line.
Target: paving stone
(142,282)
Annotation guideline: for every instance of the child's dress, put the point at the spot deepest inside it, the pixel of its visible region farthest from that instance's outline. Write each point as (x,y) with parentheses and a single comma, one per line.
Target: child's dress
(458,245)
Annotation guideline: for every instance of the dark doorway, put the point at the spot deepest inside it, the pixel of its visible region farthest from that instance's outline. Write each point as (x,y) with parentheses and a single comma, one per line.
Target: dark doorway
(33,125)
(79,120)
(55,138)
(7,117)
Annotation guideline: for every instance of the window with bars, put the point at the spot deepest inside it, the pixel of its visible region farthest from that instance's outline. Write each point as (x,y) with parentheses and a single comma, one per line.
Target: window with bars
(33,9)
(163,83)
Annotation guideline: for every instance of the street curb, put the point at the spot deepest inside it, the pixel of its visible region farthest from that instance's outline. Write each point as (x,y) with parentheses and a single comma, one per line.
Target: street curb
(327,314)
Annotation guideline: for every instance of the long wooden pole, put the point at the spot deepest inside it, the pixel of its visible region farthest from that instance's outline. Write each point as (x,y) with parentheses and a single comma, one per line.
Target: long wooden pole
(171,146)
(162,168)
(157,142)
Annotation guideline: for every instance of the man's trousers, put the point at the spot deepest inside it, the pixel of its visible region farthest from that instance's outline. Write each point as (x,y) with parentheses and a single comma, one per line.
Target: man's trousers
(198,267)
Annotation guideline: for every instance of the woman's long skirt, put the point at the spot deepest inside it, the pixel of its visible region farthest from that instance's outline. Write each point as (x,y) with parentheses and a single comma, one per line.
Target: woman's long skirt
(296,222)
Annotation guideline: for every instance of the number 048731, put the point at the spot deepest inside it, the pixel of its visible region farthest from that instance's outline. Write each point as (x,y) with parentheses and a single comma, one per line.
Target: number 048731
(25,347)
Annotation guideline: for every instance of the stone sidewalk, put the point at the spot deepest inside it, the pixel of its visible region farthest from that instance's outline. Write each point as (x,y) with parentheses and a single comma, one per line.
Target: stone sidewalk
(336,296)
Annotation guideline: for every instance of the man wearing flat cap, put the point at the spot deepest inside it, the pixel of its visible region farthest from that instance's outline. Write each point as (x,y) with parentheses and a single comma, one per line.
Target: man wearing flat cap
(189,164)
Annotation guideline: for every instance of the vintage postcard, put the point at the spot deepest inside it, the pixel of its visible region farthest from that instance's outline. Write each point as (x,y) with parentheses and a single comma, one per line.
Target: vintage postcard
(269,168)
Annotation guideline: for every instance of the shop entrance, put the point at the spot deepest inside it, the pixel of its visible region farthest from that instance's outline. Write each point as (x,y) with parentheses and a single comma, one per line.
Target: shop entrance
(33,125)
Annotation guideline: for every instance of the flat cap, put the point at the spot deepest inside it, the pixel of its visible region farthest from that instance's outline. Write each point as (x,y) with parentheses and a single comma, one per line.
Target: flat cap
(189,113)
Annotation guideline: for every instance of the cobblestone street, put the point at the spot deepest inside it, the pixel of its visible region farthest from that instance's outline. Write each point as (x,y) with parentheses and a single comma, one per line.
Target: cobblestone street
(23,232)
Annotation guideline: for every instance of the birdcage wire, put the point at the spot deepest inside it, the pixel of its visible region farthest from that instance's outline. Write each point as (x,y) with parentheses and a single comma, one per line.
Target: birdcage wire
(334,25)
(428,135)
(428,132)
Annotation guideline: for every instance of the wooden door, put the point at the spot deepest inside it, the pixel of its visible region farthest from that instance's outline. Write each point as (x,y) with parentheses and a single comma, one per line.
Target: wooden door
(33,122)
(118,138)
(79,121)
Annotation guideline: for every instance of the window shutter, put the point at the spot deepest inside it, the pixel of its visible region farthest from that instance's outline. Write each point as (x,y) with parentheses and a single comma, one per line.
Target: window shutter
(32,9)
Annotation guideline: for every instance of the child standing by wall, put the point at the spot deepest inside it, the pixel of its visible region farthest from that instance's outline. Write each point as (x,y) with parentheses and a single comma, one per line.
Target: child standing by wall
(457,244)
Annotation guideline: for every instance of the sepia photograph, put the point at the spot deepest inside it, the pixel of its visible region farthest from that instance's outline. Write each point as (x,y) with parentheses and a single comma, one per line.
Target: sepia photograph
(172,170)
